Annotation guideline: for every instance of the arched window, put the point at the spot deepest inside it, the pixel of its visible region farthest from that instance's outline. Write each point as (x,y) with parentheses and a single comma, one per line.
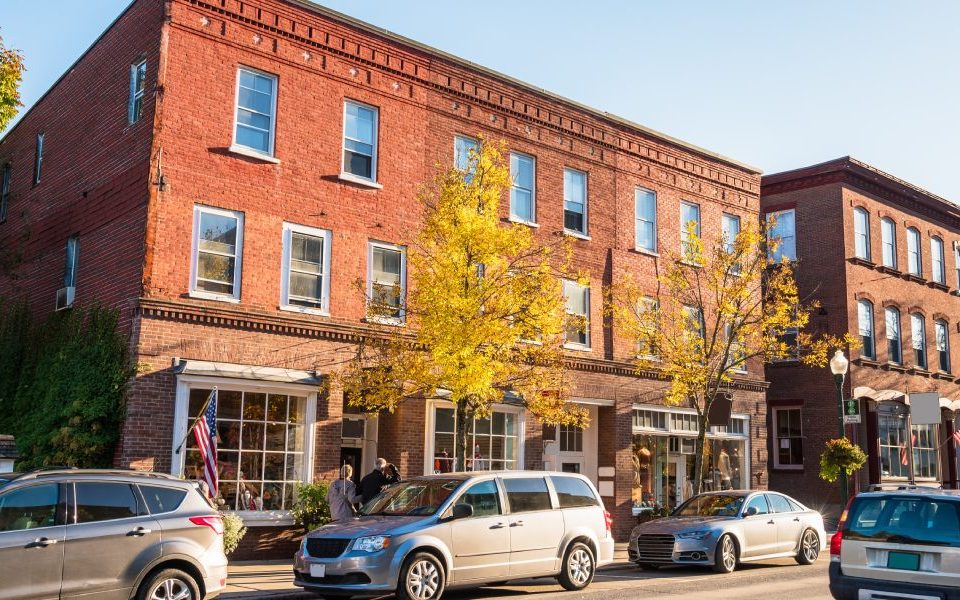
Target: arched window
(888,239)
(865,320)
(861,233)
(936,260)
(893,335)
(914,264)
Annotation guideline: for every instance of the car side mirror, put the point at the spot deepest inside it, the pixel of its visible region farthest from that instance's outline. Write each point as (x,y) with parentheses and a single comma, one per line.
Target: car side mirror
(461,511)
(751,510)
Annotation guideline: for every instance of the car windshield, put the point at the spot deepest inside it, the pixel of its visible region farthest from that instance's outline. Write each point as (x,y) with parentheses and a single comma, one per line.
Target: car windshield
(904,520)
(710,505)
(416,497)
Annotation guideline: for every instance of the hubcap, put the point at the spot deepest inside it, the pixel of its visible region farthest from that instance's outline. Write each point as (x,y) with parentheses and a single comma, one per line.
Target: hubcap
(811,549)
(580,566)
(423,580)
(729,554)
(171,589)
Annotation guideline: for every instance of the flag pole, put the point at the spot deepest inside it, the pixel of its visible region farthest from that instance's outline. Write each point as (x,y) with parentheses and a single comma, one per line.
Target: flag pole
(203,409)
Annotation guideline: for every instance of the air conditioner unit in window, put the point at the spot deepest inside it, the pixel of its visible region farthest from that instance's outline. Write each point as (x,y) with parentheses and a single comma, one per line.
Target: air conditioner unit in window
(65,297)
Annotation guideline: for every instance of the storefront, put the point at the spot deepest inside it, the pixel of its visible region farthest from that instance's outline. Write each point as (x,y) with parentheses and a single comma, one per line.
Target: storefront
(495,442)
(664,446)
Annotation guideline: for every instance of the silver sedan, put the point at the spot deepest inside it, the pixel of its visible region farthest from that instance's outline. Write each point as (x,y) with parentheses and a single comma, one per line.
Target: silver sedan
(723,529)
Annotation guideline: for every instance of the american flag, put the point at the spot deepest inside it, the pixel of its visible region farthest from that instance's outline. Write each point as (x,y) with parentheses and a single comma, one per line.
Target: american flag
(956,436)
(205,433)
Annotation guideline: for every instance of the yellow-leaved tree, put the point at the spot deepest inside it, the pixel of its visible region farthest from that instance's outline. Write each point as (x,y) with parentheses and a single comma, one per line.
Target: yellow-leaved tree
(710,313)
(485,315)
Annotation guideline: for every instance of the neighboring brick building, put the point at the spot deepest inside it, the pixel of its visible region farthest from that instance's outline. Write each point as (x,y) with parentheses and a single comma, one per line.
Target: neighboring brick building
(882,256)
(229,221)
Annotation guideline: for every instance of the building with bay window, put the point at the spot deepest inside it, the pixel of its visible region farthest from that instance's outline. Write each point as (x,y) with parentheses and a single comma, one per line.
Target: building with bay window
(240,229)
(873,250)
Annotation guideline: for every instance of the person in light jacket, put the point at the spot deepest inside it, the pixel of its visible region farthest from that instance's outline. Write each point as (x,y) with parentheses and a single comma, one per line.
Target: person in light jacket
(342,495)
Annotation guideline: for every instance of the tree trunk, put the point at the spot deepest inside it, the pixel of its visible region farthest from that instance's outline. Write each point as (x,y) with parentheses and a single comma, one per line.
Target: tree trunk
(699,452)
(464,418)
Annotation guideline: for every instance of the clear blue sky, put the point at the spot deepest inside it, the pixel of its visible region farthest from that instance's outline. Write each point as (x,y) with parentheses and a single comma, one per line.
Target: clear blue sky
(778,85)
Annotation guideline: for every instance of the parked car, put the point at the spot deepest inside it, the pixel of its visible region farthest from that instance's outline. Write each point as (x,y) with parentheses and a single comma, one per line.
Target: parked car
(108,534)
(723,529)
(901,543)
(419,537)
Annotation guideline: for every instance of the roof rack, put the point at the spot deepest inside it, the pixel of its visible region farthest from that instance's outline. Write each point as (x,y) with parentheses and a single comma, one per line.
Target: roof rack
(54,471)
(903,487)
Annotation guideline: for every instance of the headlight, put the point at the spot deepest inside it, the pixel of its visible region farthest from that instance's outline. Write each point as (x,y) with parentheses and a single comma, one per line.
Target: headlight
(373,543)
(699,534)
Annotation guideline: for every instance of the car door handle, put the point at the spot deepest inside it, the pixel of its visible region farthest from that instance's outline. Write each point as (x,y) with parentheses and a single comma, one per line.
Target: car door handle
(497,526)
(139,531)
(516,524)
(771,522)
(797,519)
(42,542)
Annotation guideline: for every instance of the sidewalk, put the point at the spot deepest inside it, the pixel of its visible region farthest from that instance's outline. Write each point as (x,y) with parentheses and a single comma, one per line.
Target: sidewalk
(274,579)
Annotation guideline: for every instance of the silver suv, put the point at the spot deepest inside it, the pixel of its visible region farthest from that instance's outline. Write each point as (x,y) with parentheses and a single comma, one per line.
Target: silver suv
(108,534)
(461,529)
(898,544)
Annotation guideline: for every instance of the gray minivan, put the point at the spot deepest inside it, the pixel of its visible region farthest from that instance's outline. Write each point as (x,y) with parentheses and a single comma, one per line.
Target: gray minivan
(421,536)
(108,534)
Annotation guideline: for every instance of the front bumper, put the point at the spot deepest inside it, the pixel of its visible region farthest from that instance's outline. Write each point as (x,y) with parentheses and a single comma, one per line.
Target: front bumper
(682,552)
(844,587)
(352,573)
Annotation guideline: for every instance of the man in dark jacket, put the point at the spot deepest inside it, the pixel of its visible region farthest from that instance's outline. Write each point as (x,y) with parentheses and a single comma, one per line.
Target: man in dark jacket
(374,481)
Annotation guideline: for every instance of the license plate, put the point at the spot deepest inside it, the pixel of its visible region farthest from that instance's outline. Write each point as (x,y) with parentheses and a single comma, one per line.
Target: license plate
(318,570)
(907,561)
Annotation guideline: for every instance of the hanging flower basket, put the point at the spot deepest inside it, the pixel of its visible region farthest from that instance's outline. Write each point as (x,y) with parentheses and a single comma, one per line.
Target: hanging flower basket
(839,456)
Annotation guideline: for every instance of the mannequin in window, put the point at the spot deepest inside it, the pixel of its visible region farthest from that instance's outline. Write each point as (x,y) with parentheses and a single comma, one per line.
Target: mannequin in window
(726,470)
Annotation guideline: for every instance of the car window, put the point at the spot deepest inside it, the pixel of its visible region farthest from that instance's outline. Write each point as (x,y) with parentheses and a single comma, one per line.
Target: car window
(162,499)
(414,497)
(760,503)
(573,492)
(796,505)
(527,494)
(908,520)
(483,497)
(98,501)
(29,507)
(710,505)
(779,504)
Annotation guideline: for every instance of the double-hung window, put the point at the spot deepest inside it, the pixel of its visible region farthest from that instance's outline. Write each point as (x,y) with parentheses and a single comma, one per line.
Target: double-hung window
(918,337)
(578,311)
(731,229)
(696,328)
(217,253)
(646,217)
(5,192)
(387,282)
(893,335)
(306,269)
(689,226)
(914,262)
(464,150)
(360,124)
(138,86)
(523,194)
(789,437)
(865,324)
(888,238)
(647,309)
(575,201)
(936,260)
(38,159)
(783,233)
(861,233)
(256,111)
(943,345)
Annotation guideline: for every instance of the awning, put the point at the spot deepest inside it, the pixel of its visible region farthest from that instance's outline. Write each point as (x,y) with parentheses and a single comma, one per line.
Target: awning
(250,372)
(898,396)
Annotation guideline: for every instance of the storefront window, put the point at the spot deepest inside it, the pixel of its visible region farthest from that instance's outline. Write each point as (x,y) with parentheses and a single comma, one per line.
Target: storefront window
(260,447)
(894,460)
(495,441)
(925,452)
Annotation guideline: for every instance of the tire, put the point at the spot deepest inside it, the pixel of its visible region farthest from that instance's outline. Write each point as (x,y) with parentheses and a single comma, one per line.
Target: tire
(726,556)
(648,566)
(169,584)
(578,567)
(421,578)
(809,549)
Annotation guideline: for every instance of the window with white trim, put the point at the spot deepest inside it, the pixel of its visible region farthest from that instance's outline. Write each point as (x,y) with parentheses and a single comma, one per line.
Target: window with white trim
(894,348)
(217,252)
(918,337)
(943,345)
(646,219)
(645,346)
(861,233)
(649,419)
(138,86)
(689,213)
(578,310)
(5,191)
(306,269)
(914,260)
(937,265)
(575,201)
(788,439)
(784,230)
(387,281)
(865,325)
(888,239)
(256,110)
(360,124)
(571,438)
(731,229)
(463,148)
(523,193)
(494,442)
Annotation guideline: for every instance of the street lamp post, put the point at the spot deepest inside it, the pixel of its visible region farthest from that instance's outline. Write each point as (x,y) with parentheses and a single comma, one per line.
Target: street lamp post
(838,366)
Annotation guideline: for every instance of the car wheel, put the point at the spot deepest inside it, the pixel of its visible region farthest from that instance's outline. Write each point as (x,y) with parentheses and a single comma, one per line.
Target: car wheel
(725,557)
(578,568)
(648,566)
(421,578)
(809,548)
(169,584)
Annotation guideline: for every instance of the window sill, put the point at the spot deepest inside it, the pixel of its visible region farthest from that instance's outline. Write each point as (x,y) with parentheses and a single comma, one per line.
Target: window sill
(250,153)
(788,468)
(653,253)
(304,310)
(915,278)
(939,286)
(217,297)
(577,235)
(866,361)
(264,518)
(392,321)
(351,178)
(577,347)
(514,219)
(890,270)
(892,366)
(864,262)
(920,371)
(945,376)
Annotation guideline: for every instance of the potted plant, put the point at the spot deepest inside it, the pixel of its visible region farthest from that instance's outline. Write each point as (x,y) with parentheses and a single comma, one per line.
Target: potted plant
(840,455)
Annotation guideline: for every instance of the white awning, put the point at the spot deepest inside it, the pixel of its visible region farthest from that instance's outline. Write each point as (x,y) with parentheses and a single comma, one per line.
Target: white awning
(898,396)
(250,372)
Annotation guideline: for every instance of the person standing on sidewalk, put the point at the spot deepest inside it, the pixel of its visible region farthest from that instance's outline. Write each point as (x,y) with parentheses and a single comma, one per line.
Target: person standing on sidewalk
(342,495)
(374,481)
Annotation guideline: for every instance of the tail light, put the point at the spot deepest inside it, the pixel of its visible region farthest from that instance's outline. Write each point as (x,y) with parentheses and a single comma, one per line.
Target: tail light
(607,520)
(837,540)
(214,522)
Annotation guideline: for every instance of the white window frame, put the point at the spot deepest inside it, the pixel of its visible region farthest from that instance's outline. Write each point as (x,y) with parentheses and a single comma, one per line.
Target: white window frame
(888,226)
(403,281)
(468,143)
(895,335)
(198,210)
(247,150)
(533,191)
(586,195)
(344,174)
(938,326)
(861,231)
(586,299)
(918,340)
(638,193)
(430,428)
(776,438)
(866,305)
(683,224)
(938,260)
(325,234)
(728,242)
(792,257)
(135,94)
(914,254)
(181,418)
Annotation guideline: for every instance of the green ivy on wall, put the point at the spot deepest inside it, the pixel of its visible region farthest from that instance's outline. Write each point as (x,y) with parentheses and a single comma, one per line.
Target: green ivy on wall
(62,385)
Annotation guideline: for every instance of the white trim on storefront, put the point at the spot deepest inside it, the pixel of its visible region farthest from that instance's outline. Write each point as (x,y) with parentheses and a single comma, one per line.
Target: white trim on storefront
(430,421)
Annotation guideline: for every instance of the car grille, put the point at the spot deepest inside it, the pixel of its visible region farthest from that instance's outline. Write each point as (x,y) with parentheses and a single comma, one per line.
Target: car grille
(655,548)
(326,547)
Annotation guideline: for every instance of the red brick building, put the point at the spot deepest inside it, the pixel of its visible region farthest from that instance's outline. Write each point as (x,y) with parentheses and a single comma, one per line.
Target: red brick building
(229,169)
(882,255)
